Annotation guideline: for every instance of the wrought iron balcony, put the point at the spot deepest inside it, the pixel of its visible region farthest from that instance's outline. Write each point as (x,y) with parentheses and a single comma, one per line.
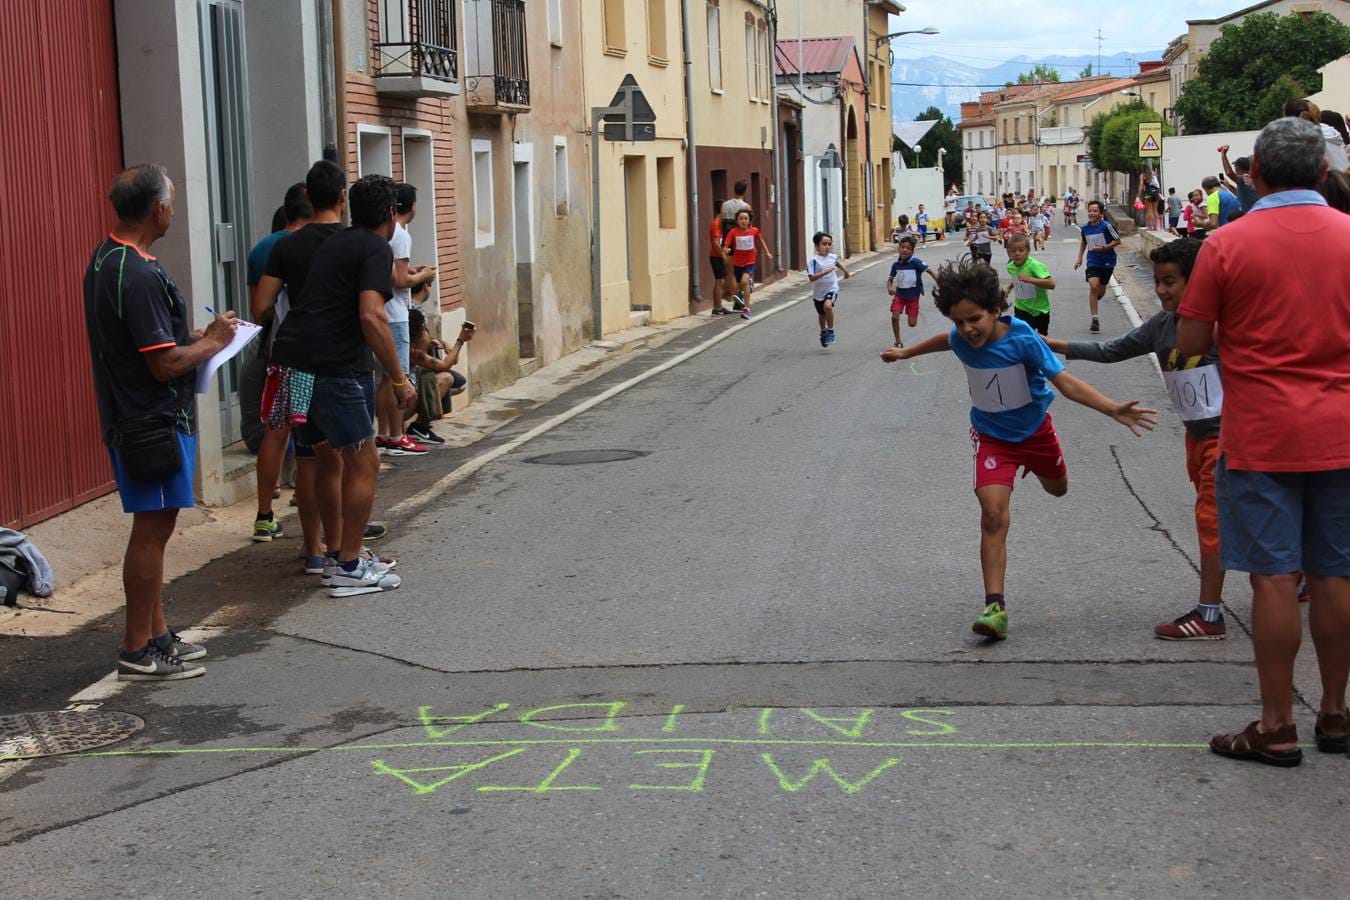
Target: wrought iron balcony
(417,53)
(497,74)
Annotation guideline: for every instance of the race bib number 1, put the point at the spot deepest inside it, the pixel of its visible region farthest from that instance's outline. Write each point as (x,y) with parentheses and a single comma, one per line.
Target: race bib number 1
(998,390)
(1195,393)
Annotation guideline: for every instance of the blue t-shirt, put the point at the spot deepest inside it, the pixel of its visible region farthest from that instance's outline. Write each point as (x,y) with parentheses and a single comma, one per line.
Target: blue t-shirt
(257,257)
(1101,259)
(1228,204)
(1009,381)
(915,265)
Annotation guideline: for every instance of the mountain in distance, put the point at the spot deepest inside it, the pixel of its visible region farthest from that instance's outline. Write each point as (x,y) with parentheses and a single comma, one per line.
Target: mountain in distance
(907,101)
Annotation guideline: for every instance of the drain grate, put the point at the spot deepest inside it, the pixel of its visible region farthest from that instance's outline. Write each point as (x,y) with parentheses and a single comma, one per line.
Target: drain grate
(584,457)
(32,735)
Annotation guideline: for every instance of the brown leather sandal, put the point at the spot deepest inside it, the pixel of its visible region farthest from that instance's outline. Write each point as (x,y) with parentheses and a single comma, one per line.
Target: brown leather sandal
(1333,732)
(1254,744)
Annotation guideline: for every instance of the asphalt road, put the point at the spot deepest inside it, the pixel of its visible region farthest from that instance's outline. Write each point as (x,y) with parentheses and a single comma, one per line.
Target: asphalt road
(738,663)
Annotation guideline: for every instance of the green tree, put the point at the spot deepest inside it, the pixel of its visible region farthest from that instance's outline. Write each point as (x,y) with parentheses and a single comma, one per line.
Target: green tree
(1040,73)
(1235,83)
(943,135)
(1271,104)
(1113,138)
(1086,71)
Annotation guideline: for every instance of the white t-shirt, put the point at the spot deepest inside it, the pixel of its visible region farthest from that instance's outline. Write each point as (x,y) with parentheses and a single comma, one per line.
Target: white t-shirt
(830,283)
(396,307)
(731,207)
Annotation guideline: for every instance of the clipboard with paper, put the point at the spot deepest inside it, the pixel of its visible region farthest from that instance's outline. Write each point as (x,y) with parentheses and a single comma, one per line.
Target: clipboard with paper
(243,336)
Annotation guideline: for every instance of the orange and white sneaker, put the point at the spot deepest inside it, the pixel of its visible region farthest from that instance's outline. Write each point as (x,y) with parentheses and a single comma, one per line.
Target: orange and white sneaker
(1191,627)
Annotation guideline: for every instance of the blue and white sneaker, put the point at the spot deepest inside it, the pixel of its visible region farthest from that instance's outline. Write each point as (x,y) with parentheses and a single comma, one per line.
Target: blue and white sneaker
(364,579)
(380,564)
(314,565)
(824,337)
(829,336)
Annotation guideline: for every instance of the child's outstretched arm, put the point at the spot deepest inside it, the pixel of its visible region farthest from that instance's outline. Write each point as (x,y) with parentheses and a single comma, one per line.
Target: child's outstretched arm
(1057,345)
(929,272)
(1138,342)
(839,264)
(935,344)
(1130,413)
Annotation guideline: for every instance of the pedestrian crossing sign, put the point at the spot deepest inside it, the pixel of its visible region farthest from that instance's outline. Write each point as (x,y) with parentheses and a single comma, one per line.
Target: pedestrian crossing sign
(1150,139)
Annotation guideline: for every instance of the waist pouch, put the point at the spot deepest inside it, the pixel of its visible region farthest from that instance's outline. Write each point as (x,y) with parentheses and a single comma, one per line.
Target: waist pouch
(148,446)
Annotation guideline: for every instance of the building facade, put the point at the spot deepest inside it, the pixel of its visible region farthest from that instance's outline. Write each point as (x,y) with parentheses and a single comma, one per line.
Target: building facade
(979,161)
(867,22)
(827,74)
(643,215)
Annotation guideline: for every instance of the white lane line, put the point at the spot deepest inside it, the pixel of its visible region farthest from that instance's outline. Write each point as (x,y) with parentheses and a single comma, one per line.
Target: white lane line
(455,476)
(1133,315)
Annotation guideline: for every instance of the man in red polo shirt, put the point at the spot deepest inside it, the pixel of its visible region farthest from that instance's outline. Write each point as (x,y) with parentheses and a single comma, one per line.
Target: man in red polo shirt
(1275,287)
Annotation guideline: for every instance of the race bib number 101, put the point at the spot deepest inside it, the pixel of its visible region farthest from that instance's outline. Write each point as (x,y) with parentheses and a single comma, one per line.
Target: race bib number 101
(1195,393)
(998,390)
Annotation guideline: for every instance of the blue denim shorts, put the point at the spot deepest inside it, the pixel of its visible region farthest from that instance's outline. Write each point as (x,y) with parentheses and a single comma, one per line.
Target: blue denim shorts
(402,347)
(341,412)
(174,492)
(1273,523)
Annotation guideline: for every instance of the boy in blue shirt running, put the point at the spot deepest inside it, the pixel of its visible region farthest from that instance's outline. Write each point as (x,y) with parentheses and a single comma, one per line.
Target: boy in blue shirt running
(1009,370)
(1099,242)
(906,286)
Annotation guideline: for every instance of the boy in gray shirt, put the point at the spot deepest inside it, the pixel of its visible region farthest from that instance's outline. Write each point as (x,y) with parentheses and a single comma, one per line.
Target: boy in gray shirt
(1196,392)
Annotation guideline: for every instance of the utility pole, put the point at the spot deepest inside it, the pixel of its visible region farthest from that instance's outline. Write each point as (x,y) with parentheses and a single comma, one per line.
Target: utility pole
(1099,51)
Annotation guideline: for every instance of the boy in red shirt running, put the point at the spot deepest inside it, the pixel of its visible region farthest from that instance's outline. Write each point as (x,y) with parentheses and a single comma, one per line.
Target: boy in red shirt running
(742,240)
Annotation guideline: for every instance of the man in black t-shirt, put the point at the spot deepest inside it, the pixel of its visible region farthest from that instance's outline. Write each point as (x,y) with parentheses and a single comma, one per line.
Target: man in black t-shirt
(318,487)
(334,325)
(144,365)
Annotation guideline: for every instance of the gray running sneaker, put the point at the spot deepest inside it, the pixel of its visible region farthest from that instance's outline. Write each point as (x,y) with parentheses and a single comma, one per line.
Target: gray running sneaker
(153,664)
(364,579)
(380,564)
(172,644)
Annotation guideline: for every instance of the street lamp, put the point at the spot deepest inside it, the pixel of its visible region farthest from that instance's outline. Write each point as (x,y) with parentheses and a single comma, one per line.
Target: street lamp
(886,37)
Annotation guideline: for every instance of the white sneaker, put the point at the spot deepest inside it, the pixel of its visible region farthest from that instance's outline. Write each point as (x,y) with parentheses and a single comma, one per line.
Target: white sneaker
(381,565)
(363,580)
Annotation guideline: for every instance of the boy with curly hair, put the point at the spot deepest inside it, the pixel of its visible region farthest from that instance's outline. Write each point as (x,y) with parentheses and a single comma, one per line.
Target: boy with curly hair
(1009,370)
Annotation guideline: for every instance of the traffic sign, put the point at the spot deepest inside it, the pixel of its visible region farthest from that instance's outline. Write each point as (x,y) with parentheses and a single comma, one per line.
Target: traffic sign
(1150,139)
(636,120)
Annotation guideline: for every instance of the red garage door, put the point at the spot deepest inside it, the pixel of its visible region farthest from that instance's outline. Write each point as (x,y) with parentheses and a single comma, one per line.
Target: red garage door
(60,146)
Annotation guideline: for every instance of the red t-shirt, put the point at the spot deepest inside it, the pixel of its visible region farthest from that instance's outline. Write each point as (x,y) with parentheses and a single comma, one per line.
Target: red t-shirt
(1277,282)
(742,244)
(715,234)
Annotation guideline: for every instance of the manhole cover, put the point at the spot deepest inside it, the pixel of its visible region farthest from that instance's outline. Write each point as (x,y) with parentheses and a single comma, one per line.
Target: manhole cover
(31,735)
(584,457)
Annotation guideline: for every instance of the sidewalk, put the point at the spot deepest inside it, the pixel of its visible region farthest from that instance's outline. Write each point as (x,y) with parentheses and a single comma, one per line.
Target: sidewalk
(85,545)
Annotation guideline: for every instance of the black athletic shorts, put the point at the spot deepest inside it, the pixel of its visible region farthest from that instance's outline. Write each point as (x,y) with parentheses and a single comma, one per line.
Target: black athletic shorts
(719,266)
(820,304)
(1102,272)
(1038,321)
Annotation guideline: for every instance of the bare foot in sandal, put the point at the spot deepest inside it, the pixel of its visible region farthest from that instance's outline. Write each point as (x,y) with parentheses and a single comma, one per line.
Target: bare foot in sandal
(1277,748)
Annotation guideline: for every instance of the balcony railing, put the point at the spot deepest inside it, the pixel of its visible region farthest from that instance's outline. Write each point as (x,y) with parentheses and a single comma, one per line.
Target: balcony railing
(497,74)
(417,53)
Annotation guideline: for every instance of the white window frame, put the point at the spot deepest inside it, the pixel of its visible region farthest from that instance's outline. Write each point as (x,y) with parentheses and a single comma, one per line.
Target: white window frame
(555,25)
(383,131)
(482,195)
(762,61)
(714,20)
(562,193)
(751,48)
(524,153)
(426,202)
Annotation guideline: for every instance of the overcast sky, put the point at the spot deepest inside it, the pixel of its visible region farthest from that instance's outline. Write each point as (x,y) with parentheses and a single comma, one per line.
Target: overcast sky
(978,34)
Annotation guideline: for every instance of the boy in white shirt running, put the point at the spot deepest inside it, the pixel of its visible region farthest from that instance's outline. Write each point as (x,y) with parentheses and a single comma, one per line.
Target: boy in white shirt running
(822,271)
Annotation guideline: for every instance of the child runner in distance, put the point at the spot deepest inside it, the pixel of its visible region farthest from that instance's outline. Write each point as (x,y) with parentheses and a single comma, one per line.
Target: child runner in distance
(742,240)
(1037,228)
(1009,370)
(1016,225)
(717,258)
(822,271)
(979,234)
(905,286)
(1197,395)
(921,220)
(1031,284)
(1099,242)
(904,228)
